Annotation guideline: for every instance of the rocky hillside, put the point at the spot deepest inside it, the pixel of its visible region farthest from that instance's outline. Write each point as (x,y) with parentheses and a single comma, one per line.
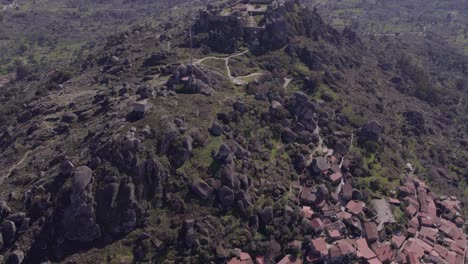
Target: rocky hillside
(265,136)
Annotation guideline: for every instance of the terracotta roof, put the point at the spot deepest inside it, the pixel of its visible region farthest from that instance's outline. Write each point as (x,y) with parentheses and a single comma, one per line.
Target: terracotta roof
(333,233)
(316,224)
(288,259)
(363,249)
(355,207)
(414,248)
(426,247)
(398,240)
(259,260)
(320,246)
(428,234)
(335,177)
(335,252)
(411,210)
(413,259)
(347,191)
(383,251)
(371,231)
(374,261)
(413,222)
(344,215)
(345,246)
(244,258)
(394,201)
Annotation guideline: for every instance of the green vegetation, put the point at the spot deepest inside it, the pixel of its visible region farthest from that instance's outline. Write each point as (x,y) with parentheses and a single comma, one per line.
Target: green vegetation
(354,119)
(423,87)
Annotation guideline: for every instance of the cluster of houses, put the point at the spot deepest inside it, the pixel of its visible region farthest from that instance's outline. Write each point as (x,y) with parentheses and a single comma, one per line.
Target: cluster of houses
(347,230)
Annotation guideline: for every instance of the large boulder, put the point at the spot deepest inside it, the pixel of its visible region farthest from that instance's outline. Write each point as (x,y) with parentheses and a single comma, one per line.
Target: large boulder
(226,196)
(8,232)
(166,140)
(228,176)
(416,123)
(202,189)
(223,152)
(276,33)
(81,179)
(79,218)
(370,131)
(180,151)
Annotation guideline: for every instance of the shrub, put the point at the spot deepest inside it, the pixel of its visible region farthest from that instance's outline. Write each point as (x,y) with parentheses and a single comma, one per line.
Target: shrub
(423,86)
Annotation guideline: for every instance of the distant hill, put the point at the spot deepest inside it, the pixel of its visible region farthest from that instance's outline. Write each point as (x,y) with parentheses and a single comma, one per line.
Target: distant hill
(445,21)
(42,32)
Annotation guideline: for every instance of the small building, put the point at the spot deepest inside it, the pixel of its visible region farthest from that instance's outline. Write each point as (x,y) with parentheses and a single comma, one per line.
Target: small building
(320,165)
(336,177)
(384,252)
(347,191)
(363,250)
(319,248)
(355,207)
(370,228)
(317,225)
(335,254)
(398,240)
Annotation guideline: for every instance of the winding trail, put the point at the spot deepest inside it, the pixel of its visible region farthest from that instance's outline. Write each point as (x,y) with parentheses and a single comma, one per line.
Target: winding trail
(16,165)
(239,80)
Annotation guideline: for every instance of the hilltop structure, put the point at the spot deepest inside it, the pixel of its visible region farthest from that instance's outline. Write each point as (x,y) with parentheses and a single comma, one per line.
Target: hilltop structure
(248,21)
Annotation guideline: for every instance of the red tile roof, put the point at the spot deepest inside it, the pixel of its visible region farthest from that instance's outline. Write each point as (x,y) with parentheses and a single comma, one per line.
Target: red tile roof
(259,260)
(335,177)
(363,249)
(333,233)
(244,258)
(317,225)
(355,207)
(320,246)
(345,246)
(383,251)
(335,252)
(412,247)
(398,240)
(347,191)
(288,259)
(371,231)
(394,201)
(374,261)
(429,235)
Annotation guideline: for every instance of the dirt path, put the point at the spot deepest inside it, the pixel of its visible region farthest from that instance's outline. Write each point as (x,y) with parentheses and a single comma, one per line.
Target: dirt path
(16,165)
(319,146)
(240,80)
(287,81)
